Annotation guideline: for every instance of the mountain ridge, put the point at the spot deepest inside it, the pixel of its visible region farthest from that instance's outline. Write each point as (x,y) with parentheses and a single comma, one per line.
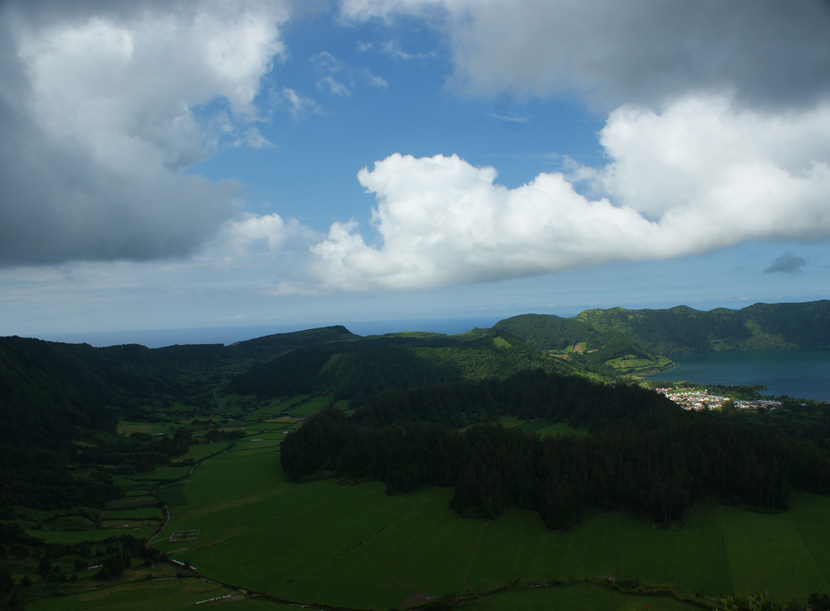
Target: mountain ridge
(681,329)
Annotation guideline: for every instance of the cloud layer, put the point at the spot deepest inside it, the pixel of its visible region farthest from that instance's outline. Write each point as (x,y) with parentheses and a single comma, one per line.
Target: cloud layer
(764,52)
(102,105)
(718,133)
(700,177)
(787,263)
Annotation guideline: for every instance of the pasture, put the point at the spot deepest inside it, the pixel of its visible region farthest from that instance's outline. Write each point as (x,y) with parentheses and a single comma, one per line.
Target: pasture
(153,593)
(541,427)
(127,428)
(577,597)
(356,546)
(311,405)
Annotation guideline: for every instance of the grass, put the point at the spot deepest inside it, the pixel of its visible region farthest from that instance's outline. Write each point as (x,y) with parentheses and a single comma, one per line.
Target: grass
(173,494)
(311,406)
(167,473)
(133,502)
(576,597)
(541,427)
(78,536)
(149,593)
(786,554)
(202,450)
(126,428)
(500,342)
(356,546)
(70,523)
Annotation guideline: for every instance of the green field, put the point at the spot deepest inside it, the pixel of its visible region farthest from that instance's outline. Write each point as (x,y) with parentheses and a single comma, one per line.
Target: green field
(541,427)
(157,593)
(203,450)
(126,428)
(577,597)
(132,514)
(356,546)
(310,405)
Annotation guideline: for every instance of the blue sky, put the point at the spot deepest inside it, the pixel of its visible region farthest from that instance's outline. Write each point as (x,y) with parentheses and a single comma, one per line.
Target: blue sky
(209,164)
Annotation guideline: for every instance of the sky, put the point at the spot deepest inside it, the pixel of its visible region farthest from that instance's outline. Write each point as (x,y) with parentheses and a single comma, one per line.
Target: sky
(186,164)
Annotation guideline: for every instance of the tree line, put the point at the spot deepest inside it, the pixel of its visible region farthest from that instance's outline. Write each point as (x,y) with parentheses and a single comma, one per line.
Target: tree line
(644,455)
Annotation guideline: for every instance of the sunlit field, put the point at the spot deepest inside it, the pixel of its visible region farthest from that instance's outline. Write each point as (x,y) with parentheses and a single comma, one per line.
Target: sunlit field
(354,545)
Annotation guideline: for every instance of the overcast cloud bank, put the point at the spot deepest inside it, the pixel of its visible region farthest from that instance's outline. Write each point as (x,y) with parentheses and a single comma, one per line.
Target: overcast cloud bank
(103,105)
(768,53)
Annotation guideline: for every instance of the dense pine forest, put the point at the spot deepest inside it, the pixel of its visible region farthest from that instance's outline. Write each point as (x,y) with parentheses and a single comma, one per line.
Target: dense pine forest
(643,455)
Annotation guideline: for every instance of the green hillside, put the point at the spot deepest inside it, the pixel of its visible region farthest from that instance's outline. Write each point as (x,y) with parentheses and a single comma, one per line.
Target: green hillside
(680,330)
(364,367)
(596,348)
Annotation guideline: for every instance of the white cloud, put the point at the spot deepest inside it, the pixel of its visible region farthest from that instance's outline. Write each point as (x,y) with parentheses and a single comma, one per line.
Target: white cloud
(264,254)
(373,80)
(333,86)
(298,106)
(393,49)
(726,175)
(718,134)
(701,177)
(388,9)
(254,139)
(443,221)
(269,232)
(100,110)
(339,78)
(508,118)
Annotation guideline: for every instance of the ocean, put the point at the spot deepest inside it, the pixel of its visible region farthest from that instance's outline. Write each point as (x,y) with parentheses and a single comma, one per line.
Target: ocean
(158,338)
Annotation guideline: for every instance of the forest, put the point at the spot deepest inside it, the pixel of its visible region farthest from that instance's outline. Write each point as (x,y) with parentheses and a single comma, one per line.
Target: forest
(643,456)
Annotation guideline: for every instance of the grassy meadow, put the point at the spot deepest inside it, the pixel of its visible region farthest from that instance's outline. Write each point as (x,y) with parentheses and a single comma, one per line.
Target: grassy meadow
(577,597)
(163,591)
(355,546)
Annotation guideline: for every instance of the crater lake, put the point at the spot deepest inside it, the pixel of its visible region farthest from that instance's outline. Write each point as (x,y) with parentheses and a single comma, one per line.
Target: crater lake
(803,374)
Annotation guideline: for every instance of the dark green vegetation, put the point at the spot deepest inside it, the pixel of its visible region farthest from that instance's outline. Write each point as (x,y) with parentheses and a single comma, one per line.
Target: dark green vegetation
(359,369)
(637,341)
(521,426)
(645,456)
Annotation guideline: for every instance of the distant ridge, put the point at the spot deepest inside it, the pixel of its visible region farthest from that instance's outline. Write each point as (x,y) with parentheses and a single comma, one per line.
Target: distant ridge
(679,330)
(321,335)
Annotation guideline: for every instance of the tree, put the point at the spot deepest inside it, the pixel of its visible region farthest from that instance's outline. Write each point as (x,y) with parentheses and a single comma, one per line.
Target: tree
(750,602)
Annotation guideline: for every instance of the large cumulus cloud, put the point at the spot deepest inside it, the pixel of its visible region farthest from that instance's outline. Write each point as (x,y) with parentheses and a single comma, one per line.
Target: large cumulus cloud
(717,134)
(443,221)
(699,177)
(101,106)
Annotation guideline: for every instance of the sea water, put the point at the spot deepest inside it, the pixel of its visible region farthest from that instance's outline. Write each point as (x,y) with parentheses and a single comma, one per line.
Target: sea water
(158,338)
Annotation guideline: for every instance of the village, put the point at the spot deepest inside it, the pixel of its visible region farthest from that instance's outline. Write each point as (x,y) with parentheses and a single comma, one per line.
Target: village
(699,399)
